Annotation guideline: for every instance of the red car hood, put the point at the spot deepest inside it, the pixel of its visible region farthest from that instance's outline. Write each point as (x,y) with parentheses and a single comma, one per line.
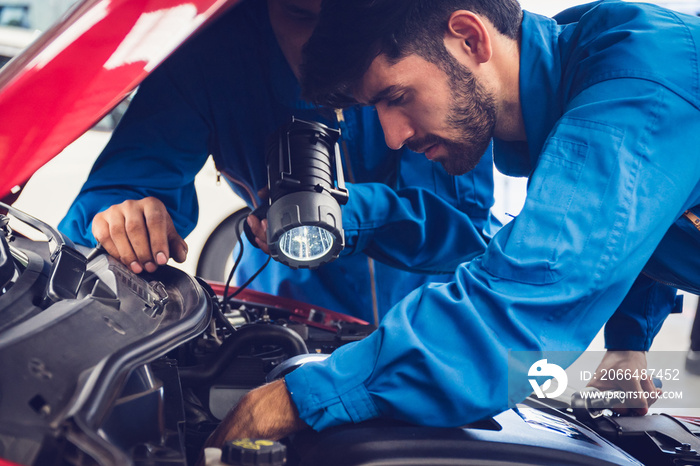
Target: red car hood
(78,70)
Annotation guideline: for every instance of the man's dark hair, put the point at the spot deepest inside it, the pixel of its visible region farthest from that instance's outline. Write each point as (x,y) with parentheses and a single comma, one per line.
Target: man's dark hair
(351,33)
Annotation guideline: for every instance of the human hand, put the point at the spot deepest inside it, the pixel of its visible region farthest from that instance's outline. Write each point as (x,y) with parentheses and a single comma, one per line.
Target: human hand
(140,234)
(633,363)
(259,229)
(266,412)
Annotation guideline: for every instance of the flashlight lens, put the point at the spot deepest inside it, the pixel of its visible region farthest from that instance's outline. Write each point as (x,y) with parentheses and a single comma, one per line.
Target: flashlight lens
(306,243)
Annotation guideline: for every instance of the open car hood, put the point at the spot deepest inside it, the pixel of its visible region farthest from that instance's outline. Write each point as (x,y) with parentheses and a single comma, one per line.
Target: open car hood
(80,68)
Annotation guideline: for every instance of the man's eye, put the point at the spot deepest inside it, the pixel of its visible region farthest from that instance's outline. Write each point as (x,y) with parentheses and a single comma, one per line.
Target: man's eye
(301,14)
(396,100)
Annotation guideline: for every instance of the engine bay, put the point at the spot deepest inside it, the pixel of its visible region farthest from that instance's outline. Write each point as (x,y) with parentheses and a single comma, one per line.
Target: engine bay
(103,366)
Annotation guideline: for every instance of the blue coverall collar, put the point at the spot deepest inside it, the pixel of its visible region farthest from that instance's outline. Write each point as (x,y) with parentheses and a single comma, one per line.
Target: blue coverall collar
(540,73)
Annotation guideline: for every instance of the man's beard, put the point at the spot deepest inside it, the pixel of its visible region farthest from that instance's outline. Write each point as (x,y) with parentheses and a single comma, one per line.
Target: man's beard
(472,115)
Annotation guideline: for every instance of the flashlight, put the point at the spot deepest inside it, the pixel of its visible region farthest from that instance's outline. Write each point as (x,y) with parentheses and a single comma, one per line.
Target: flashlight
(305,179)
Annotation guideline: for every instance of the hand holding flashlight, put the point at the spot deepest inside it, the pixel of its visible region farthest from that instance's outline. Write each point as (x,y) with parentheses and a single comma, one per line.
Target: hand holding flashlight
(306,185)
(258,232)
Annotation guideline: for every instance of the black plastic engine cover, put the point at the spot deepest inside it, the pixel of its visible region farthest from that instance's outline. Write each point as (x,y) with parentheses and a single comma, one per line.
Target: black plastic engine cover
(64,366)
(522,436)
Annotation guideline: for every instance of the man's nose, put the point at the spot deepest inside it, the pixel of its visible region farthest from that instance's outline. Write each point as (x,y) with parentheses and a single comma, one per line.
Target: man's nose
(397,127)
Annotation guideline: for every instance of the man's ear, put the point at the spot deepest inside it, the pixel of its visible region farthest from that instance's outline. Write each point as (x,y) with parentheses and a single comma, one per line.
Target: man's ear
(469,35)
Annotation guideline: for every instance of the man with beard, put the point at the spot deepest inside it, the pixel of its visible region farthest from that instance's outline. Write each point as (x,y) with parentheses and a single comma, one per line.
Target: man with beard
(600,108)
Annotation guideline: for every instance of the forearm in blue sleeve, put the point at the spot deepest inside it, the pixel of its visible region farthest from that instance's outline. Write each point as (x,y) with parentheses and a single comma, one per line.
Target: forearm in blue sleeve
(439,358)
(156,150)
(640,316)
(409,229)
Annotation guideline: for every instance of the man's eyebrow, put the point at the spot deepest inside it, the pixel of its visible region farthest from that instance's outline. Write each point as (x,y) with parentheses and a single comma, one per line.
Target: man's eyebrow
(382,94)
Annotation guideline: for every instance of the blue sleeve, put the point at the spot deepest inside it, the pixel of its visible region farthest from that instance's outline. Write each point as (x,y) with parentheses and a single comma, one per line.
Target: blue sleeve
(408,228)
(640,316)
(603,193)
(156,150)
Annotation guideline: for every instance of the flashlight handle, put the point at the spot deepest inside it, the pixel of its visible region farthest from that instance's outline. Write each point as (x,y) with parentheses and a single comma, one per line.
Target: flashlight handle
(261,213)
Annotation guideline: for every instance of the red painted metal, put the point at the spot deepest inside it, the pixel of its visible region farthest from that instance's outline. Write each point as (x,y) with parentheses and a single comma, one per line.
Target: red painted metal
(7,463)
(300,312)
(78,70)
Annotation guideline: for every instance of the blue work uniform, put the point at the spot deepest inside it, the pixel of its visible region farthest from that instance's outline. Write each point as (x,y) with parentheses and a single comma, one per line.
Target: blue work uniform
(223,93)
(611,106)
